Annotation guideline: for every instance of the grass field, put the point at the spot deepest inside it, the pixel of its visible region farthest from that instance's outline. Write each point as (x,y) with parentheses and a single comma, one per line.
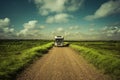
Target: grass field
(105,55)
(16,54)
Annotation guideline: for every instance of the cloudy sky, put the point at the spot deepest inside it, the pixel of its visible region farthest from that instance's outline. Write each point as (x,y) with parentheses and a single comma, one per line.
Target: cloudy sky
(73,19)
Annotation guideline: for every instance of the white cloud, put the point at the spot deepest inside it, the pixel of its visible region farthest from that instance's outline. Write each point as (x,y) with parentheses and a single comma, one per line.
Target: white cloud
(5,27)
(74,4)
(105,28)
(60,29)
(48,6)
(106,9)
(31,30)
(4,22)
(42,27)
(30,24)
(119,31)
(28,28)
(105,33)
(110,31)
(91,30)
(66,33)
(8,30)
(62,17)
(74,27)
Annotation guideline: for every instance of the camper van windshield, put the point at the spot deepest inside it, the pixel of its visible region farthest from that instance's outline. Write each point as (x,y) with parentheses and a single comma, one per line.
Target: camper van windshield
(58,40)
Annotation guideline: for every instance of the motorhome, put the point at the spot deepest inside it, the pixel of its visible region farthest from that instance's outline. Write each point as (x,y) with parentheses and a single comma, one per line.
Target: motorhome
(59,41)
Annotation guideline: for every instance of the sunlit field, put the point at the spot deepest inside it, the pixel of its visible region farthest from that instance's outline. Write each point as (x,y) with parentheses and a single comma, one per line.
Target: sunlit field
(104,47)
(9,47)
(16,54)
(105,55)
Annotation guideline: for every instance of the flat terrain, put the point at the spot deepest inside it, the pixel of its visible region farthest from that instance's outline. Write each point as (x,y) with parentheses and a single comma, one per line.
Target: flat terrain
(62,63)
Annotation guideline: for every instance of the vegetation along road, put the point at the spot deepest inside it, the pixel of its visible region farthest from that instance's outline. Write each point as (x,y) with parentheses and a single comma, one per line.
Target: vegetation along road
(62,63)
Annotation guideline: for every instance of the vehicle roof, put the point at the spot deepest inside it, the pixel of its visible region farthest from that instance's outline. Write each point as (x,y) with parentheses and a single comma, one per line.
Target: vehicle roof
(59,37)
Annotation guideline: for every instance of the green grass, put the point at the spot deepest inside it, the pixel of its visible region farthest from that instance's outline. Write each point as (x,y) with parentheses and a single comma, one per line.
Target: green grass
(106,59)
(15,46)
(11,63)
(104,47)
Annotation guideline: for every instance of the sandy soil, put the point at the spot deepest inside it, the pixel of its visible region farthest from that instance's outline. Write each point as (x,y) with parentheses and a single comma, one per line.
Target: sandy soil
(62,63)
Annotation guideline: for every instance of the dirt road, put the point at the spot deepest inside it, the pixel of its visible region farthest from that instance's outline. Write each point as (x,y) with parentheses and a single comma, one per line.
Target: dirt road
(62,63)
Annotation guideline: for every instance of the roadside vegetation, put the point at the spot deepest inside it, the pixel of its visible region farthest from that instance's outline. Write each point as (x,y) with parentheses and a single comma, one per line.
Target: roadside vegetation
(104,55)
(15,55)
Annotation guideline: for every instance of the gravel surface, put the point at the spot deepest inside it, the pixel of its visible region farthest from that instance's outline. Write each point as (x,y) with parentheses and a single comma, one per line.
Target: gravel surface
(62,63)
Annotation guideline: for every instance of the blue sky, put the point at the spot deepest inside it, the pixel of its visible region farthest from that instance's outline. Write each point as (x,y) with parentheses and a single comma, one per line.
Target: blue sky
(73,19)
